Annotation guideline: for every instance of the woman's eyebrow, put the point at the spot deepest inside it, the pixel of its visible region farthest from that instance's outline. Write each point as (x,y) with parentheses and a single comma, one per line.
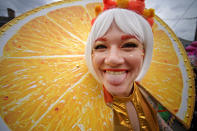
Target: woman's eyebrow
(101,39)
(125,37)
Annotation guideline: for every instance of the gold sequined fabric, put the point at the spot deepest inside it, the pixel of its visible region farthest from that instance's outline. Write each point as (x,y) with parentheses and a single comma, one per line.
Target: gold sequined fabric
(145,113)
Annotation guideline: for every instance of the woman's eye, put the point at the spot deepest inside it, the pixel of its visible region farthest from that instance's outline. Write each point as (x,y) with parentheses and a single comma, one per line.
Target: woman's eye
(100,47)
(129,45)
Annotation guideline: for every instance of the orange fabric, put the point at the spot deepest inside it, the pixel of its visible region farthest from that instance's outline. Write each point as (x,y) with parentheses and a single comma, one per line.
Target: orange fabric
(108,4)
(137,6)
(107,96)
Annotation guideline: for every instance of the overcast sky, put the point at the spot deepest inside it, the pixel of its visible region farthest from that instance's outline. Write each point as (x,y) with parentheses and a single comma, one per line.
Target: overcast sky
(180,15)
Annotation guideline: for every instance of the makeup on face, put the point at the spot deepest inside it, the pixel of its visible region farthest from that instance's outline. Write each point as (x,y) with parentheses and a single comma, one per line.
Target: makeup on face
(117,60)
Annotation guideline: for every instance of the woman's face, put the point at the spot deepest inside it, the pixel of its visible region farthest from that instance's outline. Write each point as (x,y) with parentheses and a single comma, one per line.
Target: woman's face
(117,59)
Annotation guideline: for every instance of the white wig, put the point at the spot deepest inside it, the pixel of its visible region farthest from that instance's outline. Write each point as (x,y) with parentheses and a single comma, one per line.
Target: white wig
(129,22)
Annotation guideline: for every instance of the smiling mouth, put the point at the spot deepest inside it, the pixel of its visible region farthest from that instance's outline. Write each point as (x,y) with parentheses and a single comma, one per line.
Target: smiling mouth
(115,77)
(116,71)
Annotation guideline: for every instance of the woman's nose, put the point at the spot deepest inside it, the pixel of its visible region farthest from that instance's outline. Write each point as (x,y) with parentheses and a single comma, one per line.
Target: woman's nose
(114,57)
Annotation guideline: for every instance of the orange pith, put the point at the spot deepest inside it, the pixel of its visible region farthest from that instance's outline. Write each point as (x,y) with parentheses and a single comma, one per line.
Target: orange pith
(42,37)
(71,19)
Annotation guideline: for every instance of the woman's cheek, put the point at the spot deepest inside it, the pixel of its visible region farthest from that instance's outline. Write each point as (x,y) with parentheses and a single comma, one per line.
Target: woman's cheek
(97,59)
(135,60)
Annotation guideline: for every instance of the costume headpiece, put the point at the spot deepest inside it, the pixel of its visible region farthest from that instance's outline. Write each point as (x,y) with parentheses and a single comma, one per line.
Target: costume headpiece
(137,6)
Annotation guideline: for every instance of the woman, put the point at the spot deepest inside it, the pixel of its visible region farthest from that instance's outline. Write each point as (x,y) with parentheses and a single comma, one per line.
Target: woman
(118,54)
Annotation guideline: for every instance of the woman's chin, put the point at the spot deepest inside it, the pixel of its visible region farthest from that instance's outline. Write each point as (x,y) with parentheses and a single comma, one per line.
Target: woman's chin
(118,90)
(118,84)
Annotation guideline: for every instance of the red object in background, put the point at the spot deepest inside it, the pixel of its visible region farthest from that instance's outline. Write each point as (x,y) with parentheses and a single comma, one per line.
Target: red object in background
(194,44)
(192,52)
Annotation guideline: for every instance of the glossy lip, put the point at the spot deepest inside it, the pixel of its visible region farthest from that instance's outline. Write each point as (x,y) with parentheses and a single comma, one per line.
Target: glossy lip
(115,70)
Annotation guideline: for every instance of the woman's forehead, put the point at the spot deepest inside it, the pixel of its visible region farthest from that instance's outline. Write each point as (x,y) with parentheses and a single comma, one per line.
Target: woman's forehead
(115,29)
(128,36)
(122,37)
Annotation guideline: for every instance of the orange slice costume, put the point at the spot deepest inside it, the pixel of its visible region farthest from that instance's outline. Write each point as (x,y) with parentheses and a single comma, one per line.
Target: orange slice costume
(45,83)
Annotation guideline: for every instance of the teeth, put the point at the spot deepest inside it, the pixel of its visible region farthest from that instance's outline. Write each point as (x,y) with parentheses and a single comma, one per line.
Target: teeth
(115,72)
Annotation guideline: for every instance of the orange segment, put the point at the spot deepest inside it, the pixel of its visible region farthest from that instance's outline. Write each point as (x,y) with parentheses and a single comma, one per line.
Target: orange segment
(159,85)
(42,37)
(163,46)
(85,99)
(33,85)
(74,19)
(164,78)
